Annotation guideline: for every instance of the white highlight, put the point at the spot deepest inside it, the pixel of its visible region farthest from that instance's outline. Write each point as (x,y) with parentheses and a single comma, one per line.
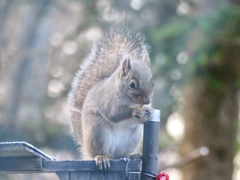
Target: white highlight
(204,151)
(183,8)
(175,174)
(94,34)
(182,57)
(70,47)
(56,39)
(136,4)
(54,88)
(175,126)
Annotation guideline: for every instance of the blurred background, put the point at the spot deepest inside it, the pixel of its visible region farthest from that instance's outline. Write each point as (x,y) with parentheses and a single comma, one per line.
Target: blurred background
(195,54)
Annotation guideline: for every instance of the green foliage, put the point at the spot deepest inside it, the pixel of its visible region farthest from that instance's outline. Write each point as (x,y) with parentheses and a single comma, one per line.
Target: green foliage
(170,31)
(203,31)
(238,80)
(214,83)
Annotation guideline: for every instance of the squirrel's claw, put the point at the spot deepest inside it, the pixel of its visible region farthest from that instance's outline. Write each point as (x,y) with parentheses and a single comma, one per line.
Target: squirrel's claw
(143,114)
(148,112)
(103,162)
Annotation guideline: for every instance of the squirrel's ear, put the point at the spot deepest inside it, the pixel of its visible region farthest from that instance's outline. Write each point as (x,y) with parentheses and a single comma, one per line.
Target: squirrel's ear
(145,57)
(126,66)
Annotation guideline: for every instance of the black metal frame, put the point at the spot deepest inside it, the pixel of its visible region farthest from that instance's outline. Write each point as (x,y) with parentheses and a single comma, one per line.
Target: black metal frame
(21,157)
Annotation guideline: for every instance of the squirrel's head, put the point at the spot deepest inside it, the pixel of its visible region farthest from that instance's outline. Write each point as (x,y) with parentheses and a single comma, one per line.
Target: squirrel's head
(136,81)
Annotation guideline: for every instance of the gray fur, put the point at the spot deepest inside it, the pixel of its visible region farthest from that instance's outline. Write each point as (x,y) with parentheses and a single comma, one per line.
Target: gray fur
(100,101)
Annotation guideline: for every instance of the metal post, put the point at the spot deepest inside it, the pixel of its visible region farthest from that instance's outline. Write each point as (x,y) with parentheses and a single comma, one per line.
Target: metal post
(150,147)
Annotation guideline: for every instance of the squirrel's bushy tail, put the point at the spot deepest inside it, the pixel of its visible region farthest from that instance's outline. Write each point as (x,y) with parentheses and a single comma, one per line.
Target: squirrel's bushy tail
(118,43)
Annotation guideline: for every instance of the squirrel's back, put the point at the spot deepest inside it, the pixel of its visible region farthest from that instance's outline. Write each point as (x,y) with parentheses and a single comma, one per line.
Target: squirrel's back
(118,43)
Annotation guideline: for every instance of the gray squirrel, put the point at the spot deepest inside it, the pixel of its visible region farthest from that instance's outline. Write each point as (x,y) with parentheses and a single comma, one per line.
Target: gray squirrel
(110,96)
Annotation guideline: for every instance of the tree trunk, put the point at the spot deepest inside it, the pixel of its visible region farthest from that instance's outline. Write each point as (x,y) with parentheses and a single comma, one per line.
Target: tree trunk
(210,112)
(23,70)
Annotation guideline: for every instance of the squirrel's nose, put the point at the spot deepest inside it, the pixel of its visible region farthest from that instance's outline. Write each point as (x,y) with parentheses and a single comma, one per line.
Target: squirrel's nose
(146,100)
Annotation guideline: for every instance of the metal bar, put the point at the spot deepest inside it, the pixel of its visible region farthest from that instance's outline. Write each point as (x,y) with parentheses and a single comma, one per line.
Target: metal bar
(133,165)
(150,147)
(20,164)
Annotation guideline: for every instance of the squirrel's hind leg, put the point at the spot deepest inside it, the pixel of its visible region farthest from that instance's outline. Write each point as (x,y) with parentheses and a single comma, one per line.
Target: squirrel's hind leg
(103,162)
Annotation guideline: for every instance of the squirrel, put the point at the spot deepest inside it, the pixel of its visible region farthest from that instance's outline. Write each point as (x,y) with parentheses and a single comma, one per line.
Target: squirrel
(110,96)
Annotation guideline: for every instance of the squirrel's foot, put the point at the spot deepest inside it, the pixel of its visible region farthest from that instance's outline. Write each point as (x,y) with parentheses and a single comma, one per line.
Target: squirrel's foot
(135,156)
(103,162)
(143,113)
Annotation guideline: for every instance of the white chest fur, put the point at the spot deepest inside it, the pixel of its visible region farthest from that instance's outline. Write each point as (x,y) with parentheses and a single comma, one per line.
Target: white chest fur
(123,138)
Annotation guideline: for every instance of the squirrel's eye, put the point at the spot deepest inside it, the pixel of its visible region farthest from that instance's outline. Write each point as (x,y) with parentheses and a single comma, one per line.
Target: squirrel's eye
(132,84)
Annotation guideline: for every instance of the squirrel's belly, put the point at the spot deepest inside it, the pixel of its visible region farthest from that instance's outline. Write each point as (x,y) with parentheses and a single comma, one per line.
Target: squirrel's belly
(123,141)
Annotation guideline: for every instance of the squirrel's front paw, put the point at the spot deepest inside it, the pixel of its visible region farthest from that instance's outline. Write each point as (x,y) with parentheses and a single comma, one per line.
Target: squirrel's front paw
(143,113)
(103,162)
